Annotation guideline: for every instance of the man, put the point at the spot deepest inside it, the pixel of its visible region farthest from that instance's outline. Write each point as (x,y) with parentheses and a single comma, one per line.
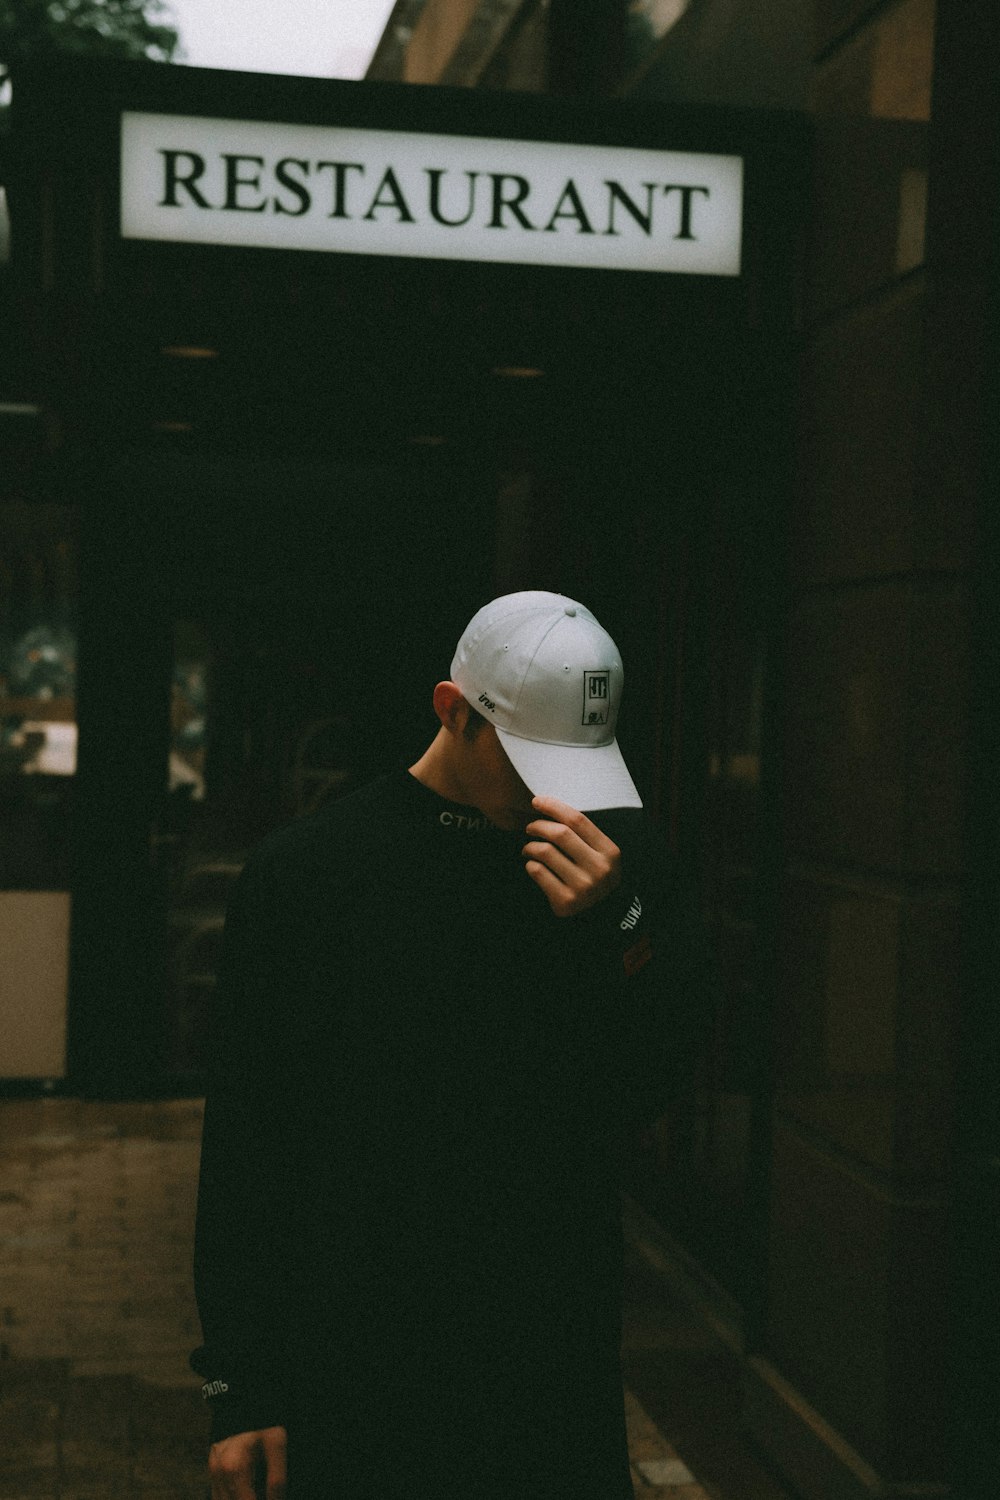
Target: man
(442,1004)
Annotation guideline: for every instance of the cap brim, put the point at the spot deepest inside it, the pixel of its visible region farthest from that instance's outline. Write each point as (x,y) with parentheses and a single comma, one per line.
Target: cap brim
(588,777)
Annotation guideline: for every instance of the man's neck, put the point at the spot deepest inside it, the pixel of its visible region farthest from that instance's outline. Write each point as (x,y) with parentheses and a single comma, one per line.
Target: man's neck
(436,771)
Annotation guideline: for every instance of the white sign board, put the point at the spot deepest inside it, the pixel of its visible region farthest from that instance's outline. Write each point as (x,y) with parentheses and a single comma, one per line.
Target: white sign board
(441,197)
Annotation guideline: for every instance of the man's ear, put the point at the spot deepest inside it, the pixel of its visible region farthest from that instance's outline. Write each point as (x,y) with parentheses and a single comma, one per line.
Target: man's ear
(450,707)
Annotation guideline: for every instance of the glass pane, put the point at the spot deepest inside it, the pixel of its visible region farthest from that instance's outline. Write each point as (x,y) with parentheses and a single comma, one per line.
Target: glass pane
(696,1171)
(38,600)
(255,741)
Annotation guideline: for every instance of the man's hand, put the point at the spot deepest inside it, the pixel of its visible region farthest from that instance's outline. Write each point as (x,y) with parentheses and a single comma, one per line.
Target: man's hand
(249,1466)
(575,864)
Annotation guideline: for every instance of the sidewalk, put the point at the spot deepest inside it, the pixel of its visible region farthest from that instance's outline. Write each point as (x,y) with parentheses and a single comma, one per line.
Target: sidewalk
(97,1316)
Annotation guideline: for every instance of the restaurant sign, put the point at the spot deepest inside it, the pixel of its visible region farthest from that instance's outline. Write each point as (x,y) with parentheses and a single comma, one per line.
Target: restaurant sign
(444,197)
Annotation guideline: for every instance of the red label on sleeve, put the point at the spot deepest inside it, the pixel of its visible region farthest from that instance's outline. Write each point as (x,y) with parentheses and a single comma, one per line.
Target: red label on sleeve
(636,957)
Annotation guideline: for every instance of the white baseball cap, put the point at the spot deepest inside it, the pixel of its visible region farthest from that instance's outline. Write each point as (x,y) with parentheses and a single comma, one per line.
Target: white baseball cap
(542,670)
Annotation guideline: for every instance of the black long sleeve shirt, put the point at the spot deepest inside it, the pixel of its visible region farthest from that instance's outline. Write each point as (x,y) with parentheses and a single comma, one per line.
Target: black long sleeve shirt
(419,1087)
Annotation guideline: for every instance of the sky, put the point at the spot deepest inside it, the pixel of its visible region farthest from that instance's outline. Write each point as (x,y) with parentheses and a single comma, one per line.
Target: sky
(316,38)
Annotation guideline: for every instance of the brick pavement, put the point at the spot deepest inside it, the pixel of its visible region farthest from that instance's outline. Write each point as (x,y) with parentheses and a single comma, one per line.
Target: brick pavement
(97,1315)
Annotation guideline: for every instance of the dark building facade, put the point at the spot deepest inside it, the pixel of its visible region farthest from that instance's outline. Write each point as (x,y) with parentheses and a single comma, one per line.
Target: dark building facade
(846,1131)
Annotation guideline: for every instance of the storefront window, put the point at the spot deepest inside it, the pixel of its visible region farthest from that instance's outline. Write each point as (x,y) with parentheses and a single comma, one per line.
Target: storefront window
(37,775)
(37,696)
(697,1171)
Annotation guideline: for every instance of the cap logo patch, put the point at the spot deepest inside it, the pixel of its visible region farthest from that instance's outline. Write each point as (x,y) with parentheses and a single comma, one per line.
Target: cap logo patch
(596,696)
(488,702)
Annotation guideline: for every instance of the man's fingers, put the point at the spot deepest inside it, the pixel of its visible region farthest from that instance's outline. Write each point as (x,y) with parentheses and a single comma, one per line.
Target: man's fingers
(233,1465)
(598,862)
(576,821)
(548,854)
(561,836)
(233,1484)
(231,1468)
(568,856)
(275,1451)
(560,896)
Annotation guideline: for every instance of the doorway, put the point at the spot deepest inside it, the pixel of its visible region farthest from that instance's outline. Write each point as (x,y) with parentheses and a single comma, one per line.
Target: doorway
(300,473)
